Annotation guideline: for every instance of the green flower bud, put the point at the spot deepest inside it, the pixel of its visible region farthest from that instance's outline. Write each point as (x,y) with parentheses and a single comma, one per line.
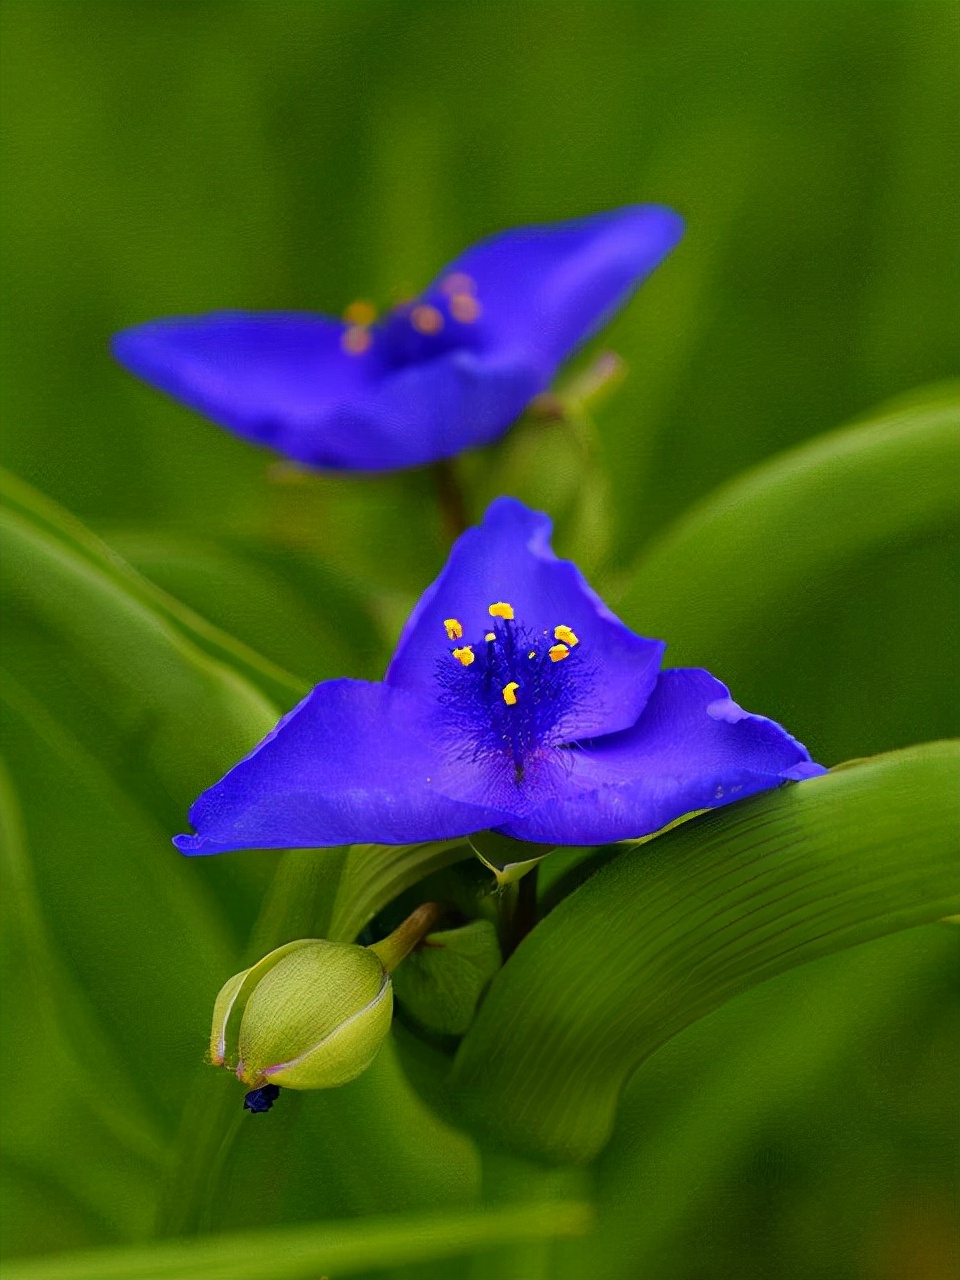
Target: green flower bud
(312,1014)
(316,1019)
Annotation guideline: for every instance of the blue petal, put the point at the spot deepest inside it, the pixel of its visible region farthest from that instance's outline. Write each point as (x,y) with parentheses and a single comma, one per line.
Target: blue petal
(352,763)
(693,748)
(284,380)
(545,289)
(509,558)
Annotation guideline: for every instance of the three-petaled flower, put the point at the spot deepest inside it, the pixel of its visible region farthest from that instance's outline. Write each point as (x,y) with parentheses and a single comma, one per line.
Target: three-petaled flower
(516,701)
(450,370)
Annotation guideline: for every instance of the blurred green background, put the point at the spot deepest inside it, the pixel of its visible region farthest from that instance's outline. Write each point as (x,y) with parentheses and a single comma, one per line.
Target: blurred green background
(172,157)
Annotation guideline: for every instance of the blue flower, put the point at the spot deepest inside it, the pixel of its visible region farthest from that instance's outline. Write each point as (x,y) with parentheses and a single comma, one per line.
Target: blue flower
(450,370)
(516,701)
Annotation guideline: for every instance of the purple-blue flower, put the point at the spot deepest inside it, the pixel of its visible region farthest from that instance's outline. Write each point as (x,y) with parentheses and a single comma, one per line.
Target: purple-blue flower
(516,701)
(447,371)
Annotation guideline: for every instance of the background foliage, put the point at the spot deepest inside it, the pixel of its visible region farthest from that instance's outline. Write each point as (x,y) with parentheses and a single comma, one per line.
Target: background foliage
(170,157)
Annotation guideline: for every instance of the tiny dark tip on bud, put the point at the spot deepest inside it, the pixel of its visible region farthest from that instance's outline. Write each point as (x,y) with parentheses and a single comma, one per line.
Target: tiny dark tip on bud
(258,1100)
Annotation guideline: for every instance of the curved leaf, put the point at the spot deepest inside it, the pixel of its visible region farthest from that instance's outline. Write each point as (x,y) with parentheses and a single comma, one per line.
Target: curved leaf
(88,642)
(783,1063)
(78,1132)
(293,610)
(43,514)
(659,938)
(835,563)
(375,874)
(768,533)
(303,1253)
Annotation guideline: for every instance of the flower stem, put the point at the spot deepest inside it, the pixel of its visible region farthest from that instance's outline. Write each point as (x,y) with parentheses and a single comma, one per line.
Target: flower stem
(450,496)
(524,915)
(398,945)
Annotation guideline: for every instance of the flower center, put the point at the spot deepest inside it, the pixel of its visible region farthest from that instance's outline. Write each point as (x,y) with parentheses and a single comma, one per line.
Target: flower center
(441,320)
(510,696)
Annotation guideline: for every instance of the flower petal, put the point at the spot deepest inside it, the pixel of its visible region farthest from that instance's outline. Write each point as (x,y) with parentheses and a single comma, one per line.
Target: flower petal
(439,407)
(544,289)
(509,558)
(284,380)
(352,763)
(693,748)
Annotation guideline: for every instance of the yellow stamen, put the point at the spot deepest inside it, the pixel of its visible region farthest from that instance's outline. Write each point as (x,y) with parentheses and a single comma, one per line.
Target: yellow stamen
(426,319)
(566,635)
(457,282)
(501,610)
(453,628)
(510,693)
(558,652)
(356,340)
(465,308)
(532,653)
(465,655)
(491,635)
(360,313)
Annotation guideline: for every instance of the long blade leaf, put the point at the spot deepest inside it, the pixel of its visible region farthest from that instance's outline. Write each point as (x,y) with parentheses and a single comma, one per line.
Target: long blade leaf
(665,934)
(304,1253)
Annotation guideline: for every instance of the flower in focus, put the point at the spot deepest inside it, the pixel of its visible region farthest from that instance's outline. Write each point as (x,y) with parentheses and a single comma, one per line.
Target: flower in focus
(515,702)
(447,371)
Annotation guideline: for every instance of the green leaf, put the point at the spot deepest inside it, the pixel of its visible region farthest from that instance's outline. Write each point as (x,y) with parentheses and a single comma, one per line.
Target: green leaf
(805,582)
(133,921)
(297,611)
(304,1253)
(796,520)
(441,982)
(786,1065)
(63,528)
(118,709)
(375,874)
(663,935)
(78,1134)
(125,678)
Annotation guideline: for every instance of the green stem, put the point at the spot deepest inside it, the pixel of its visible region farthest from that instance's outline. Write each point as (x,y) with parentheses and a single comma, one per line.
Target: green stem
(524,912)
(453,506)
(398,945)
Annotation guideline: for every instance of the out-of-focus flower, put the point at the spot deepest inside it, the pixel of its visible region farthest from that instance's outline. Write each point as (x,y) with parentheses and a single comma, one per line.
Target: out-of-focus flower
(516,701)
(450,370)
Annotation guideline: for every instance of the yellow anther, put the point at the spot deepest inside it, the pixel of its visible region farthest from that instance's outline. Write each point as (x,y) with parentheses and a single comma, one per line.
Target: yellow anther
(491,635)
(532,653)
(360,313)
(356,340)
(453,628)
(426,319)
(457,282)
(566,635)
(510,693)
(558,652)
(501,610)
(464,655)
(465,308)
